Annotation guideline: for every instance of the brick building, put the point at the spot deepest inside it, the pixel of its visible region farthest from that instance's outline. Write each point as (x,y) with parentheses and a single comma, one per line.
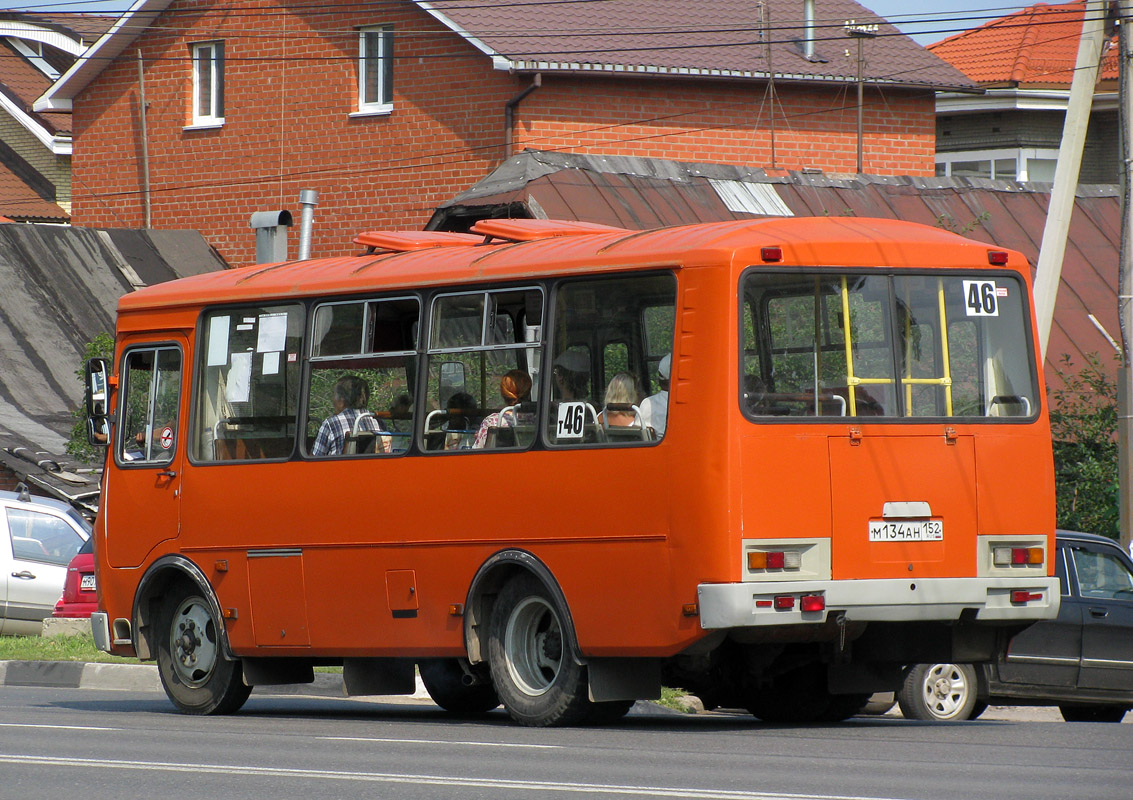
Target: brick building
(389,109)
(1025,63)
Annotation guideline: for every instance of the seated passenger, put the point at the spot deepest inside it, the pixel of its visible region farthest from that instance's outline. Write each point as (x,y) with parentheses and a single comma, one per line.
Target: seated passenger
(460,406)
(655,407)
(621,393)
(515,388)
(351,395)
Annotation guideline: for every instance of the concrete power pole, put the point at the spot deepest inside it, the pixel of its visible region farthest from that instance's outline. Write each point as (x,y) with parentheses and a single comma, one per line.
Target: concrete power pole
(1053,247)
(1125,279)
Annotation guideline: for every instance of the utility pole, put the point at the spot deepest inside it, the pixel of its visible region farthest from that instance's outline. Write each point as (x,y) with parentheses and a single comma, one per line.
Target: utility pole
(1125,273)
(1048,271)
(861,33)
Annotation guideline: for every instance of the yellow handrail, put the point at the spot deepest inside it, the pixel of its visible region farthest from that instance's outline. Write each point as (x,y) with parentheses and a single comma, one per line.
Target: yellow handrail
(851,381)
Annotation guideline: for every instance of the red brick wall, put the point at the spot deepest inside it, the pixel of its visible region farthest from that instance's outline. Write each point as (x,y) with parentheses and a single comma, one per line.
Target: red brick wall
(8,479)
(290,86)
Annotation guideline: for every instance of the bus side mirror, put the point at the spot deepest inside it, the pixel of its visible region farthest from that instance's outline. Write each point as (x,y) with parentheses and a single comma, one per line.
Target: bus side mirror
(96,395)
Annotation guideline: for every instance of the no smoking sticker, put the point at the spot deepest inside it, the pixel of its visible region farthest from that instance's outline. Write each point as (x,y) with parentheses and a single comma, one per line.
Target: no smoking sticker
(166,438)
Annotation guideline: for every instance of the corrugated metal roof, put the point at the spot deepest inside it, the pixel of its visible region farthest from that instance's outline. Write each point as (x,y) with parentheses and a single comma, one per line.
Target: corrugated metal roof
(692,38)
(646,193)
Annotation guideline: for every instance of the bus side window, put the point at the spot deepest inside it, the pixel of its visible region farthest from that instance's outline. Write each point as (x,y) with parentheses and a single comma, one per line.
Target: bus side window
(248,387)
(363,365)
(631,320)
(485,350)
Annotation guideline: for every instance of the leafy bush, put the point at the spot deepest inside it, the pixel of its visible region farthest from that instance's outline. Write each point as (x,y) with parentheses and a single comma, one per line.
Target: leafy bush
(1083,420)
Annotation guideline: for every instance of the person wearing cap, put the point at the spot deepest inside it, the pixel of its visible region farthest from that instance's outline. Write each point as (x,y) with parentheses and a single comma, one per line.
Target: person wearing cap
(655,407)
(572,373)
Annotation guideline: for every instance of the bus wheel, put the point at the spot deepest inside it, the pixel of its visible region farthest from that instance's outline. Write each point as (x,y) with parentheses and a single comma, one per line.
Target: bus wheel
(1093,713)
(445,682)
(196,675)
(794,697)
(535,673)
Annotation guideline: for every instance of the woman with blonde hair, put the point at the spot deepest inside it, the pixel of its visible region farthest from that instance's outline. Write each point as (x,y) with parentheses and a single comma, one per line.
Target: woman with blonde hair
(621,396)
(515,388)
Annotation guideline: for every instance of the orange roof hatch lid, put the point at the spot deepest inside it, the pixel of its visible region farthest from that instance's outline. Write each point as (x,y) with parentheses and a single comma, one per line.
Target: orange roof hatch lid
(404,241)
(528,230)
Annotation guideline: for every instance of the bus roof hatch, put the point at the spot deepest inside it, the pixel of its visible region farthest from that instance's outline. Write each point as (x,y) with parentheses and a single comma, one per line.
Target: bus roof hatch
(404,241)
(528,230)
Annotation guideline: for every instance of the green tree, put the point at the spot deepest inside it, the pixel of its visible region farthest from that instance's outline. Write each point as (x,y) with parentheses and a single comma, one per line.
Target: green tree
(1083,420)
(102,346)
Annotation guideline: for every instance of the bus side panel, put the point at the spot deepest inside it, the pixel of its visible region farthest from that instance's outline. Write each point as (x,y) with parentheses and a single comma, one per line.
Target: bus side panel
(362,548)
(1009,463)
(786,484)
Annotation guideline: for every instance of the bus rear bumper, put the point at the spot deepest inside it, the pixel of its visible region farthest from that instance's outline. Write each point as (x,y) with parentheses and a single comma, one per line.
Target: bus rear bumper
(753,604)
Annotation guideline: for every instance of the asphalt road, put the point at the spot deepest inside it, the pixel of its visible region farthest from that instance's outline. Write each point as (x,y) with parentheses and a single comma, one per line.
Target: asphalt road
(88,744)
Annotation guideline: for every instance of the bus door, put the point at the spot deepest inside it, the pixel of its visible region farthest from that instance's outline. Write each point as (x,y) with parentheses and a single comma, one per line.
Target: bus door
(142,497)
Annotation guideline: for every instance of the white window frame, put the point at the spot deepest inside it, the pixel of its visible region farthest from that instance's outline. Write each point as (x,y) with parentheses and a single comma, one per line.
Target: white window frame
(1021,155)
(209,53)
(382,104)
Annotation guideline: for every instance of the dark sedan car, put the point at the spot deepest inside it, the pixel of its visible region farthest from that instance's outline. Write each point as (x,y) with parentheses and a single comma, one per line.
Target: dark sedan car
(1081,662)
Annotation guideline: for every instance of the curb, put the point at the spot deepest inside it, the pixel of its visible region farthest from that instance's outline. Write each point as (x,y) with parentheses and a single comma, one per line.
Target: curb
(144,678)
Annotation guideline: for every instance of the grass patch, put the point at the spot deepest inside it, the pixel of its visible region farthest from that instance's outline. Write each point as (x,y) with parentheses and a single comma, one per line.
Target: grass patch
(76,647)
(671,698)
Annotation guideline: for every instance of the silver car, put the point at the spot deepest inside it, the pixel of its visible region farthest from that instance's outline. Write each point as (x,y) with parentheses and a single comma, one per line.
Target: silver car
(38,538)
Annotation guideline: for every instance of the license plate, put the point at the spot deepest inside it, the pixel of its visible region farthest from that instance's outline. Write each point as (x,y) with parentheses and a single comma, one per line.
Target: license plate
(921,530)
(86,583)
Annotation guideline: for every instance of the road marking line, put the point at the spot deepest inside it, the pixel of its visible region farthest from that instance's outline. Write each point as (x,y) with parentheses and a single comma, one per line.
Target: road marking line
(425,780)
(437,741)
(55,727)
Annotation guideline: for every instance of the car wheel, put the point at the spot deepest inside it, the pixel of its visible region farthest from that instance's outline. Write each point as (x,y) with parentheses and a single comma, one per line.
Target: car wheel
(445,682)
(1093,713)
(534,670)
(941,692)
(197,676)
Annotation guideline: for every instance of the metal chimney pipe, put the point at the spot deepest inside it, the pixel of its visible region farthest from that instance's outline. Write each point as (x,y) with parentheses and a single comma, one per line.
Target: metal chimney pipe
(308,198)
(808,27)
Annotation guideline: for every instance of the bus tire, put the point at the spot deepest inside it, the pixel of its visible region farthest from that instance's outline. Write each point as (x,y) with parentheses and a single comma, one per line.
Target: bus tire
(536,675)
(197,676)
(445,682)
(939,692)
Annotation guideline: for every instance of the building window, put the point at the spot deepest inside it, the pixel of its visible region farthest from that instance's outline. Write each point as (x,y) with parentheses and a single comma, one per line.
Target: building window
(1025,164)
(208,83)
(375,69)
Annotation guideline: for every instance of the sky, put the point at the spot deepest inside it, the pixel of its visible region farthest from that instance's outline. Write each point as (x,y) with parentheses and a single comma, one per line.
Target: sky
(942,17)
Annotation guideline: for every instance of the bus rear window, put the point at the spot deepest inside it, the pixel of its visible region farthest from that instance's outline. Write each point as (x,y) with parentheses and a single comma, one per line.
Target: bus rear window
(874,345)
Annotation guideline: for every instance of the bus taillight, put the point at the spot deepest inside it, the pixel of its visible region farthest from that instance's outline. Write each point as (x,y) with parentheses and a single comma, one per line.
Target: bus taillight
(774,559)
(1020,596)
(813,602)
(1017,556)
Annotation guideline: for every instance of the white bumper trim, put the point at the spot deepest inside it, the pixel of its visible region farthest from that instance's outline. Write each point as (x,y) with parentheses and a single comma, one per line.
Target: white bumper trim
(736,605)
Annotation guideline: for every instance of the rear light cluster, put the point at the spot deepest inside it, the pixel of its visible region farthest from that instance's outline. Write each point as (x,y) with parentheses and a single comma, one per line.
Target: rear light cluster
(1021,596)
(774,559)
(787,602)
(1017,556)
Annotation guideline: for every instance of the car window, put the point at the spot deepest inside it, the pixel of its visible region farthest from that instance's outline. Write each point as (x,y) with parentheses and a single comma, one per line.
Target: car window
(1102,575)
(41,537)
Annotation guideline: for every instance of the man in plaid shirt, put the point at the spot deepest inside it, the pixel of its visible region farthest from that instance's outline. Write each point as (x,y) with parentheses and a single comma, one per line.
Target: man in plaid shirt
(351,396)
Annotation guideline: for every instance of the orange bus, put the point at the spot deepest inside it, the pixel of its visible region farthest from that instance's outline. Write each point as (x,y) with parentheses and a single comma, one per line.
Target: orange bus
(557,465)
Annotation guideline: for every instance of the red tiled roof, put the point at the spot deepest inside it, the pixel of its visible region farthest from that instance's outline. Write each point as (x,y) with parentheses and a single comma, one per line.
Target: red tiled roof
(20,203)
(693,38)
(23,83)
(1037,46)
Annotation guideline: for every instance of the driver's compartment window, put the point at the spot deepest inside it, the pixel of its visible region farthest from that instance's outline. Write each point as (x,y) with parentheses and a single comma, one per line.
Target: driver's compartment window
(151,402)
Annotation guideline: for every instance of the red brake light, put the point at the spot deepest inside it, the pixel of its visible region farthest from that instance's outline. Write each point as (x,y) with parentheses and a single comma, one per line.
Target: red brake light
(771,253)
(813,602)
(997,257)
(1024,596)
(784,601)
(775,560)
